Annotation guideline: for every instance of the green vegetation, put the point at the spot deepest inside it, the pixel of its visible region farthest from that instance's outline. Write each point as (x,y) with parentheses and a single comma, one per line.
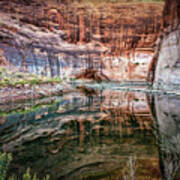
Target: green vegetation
(14,78)
(5,160)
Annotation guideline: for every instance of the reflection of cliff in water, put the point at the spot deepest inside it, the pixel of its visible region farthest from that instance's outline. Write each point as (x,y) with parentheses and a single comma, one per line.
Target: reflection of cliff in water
(105,136)
(168,134)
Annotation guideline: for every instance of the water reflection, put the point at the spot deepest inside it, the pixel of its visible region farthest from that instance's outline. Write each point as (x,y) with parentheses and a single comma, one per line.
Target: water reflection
(108,135)
(168,134)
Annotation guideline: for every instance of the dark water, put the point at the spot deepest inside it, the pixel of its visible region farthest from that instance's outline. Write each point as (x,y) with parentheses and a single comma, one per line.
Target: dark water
(108,135)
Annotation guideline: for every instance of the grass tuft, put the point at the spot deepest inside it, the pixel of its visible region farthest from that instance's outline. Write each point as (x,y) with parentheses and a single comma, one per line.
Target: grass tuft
(16,79)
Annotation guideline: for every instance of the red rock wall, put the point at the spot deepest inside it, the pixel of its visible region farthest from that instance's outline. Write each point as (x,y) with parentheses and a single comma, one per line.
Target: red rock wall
(119,30)
(171,13)
(122,28)
(117,26)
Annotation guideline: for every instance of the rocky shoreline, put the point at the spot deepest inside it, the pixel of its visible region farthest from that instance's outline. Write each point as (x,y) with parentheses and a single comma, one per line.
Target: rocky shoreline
(18,86)
(14,94)
(143,87)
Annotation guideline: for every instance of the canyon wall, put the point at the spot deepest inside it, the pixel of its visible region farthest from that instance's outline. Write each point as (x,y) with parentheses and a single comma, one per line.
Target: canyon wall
(65,39)
(167,73)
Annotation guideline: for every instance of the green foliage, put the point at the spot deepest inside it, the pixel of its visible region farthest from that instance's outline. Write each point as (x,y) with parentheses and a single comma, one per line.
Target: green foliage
(5,160)
(28,176)
(72,79)
(3,69)
(13,78)
(55,80)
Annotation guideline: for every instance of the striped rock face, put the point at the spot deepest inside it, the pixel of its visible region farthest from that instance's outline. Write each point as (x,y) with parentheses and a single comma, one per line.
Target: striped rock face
(65,38)
(168,67)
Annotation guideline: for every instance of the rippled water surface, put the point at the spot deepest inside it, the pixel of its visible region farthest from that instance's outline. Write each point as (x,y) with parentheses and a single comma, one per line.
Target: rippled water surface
(107,135)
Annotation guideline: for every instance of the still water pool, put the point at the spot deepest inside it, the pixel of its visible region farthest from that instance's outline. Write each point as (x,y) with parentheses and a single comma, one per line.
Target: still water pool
(106,135)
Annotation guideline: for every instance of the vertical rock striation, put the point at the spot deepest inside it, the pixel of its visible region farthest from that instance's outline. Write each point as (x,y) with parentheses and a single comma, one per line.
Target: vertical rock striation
(111,38)
(167,73)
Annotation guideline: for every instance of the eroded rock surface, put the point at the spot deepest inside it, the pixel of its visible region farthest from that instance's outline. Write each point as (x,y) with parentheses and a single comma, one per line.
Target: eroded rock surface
(168,66)
(167,73)
(64,39)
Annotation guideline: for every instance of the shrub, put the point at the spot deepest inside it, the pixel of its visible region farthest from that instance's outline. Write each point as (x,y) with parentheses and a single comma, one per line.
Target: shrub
(5,160)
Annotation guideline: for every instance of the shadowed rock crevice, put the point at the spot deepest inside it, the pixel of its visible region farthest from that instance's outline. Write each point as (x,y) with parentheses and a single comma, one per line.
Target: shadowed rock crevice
(93,75)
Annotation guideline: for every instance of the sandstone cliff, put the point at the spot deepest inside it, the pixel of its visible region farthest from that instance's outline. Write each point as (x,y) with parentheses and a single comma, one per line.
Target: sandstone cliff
(64,39)
(167,57)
